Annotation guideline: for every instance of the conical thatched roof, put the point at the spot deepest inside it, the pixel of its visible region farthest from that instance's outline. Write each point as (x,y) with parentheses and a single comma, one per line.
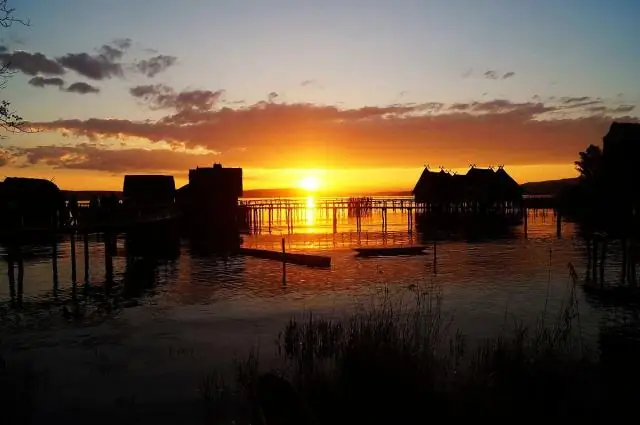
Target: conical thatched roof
(484,185)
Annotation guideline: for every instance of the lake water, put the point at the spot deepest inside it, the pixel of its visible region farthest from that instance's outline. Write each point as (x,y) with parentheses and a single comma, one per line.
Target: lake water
(167,323)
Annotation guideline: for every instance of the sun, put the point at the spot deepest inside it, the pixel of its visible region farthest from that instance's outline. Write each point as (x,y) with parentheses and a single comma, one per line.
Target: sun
(309,183)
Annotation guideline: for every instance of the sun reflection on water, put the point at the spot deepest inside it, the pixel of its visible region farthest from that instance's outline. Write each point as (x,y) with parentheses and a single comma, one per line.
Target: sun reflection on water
(310,211)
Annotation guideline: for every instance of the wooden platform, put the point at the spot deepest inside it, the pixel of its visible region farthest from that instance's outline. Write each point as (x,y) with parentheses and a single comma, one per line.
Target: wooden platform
(388,251)
(287,257)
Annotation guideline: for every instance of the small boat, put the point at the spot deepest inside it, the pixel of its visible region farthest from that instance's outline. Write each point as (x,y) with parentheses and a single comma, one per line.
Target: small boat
(385,251)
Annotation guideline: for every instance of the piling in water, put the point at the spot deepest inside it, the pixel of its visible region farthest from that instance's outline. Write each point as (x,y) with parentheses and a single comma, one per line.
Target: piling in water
(54,265)
(72,241)
(86,258)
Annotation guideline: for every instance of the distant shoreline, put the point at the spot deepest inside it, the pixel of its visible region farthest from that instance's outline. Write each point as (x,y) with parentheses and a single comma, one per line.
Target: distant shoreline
(547,187)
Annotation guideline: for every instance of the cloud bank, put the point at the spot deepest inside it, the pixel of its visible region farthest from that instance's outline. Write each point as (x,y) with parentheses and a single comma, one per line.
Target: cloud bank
(271,134)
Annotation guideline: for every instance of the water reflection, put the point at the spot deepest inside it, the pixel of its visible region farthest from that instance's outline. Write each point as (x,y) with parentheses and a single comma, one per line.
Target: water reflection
(310,214)
(484,267)
(193,295)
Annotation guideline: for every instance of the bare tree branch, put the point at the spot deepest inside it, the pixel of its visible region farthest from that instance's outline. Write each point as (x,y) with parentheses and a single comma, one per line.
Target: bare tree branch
(10,121)
(6,15)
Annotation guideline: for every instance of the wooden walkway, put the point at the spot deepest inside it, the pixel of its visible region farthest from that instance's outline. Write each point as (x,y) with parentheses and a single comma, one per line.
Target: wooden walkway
(372,203)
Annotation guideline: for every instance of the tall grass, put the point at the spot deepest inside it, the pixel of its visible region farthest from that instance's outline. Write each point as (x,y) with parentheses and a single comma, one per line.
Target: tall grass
(401,364)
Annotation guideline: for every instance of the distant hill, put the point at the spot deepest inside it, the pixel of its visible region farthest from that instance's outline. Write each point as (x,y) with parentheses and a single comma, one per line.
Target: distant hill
(393,193)
(293,193)
(548,187)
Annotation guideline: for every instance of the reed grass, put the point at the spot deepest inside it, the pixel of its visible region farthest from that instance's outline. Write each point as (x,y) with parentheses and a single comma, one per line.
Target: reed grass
(402,364)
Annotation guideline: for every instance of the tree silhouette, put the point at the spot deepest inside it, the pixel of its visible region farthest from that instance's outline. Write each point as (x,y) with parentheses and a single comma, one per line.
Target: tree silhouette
(590,164)
(9,119)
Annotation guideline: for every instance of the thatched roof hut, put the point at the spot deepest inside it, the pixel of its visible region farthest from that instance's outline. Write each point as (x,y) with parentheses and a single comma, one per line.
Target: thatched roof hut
(481,185)
(434,186)
(508,187)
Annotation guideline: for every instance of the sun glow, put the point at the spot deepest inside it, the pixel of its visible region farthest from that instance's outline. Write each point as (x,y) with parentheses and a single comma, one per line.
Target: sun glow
(309,183)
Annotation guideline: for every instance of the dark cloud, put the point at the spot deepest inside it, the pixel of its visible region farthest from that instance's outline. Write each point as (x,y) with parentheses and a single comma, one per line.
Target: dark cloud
(86,156)
(508,75)
(82,88)
(96,67)
(110,53)
(312,83)
(155,65)
(624,109)
(581,102)
(602,109)
(160,96)
(122,43)
(501,106)
(278,134)
(42,81)
(491,75)
(272,96)
(31,63)
(570,100)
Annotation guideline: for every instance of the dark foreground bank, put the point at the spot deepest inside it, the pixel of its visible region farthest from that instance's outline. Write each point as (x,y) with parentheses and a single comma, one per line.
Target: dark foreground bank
(389,364)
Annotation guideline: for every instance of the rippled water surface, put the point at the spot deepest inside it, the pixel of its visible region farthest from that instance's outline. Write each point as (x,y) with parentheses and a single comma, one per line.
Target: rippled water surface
(164,323)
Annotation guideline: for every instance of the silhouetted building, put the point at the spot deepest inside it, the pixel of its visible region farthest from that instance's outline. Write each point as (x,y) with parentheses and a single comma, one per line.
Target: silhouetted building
(144,192)
(35,203)
(621,150)
(480,188)
(210,200)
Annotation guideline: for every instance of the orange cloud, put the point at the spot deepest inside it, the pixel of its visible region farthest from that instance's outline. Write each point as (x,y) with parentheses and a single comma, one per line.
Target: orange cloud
(306,135)
(90,157)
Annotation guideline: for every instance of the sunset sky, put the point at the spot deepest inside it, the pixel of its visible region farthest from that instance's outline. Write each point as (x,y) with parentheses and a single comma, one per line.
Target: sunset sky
(358,93)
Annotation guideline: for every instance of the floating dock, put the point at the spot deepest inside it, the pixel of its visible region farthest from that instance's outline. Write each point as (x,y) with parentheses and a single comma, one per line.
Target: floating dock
(388,251)
(286,257)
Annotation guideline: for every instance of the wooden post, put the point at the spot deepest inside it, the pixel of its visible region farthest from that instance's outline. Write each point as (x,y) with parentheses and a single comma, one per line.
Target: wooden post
(335,220)
(72,241)
(11,274)
(558,224)
(603,257)
(108,259)
(435,257)
(54,265)
(526,222)
(20,276)
(410,219)
(86,258)
(284,264)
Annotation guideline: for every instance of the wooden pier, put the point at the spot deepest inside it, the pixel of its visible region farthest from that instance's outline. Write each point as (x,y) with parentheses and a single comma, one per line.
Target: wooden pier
(261,215)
